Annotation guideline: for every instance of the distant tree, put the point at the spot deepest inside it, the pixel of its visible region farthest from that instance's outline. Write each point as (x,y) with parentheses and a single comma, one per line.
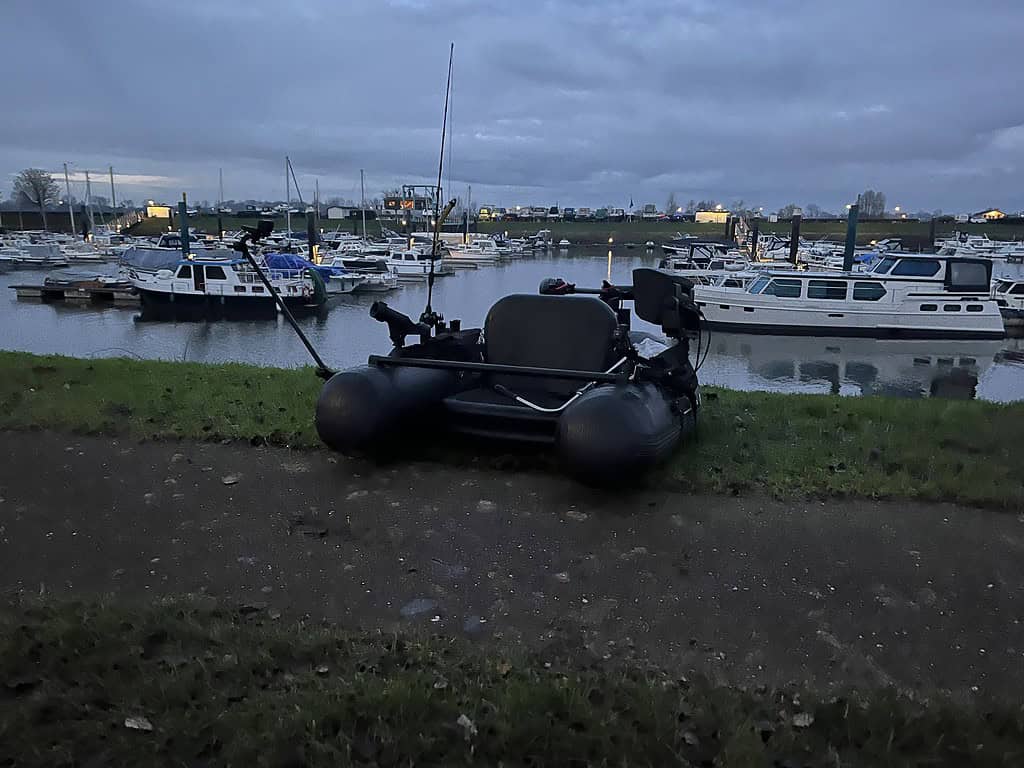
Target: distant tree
(670,204)
(691,206)
(787,211)
(128,203)
(36,187)
(100,201)
(812,211)
(739,206)
(872,204)
(706,205)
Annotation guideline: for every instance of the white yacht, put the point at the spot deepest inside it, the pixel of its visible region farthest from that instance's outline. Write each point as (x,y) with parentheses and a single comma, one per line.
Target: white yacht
(901,297)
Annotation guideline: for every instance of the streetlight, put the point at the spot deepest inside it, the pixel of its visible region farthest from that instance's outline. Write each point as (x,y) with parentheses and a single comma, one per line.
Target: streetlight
(897,209)
(610,240)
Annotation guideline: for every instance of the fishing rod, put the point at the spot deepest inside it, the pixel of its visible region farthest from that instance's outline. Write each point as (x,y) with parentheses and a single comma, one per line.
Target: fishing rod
(257,233)
(429,316)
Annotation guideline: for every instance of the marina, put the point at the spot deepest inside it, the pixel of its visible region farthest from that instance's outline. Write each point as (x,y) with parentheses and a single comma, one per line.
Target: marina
(346,335)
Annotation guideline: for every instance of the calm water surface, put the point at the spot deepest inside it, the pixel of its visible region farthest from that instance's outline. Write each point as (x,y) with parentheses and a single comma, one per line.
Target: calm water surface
(345,335)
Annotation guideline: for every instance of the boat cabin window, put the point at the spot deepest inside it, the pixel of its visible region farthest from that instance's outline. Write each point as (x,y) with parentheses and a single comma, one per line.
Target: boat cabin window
(868,291)
(950,307)
(929,307)
(758,285)
(789,289)
(826,289)
(916,268)
(968,275)
(1017,290)
(185,270)
(215,273)
(883,267)
(975,308)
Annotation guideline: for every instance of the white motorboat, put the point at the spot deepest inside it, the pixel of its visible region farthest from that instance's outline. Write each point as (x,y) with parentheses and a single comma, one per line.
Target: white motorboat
(81,253)
(480,252)
(42,255)
(563,243)
(414,265)
(217,286)
(1008,294)
(903,296)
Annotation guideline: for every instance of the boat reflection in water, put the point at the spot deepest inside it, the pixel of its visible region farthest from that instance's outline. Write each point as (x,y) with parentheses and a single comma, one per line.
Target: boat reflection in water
(850,366)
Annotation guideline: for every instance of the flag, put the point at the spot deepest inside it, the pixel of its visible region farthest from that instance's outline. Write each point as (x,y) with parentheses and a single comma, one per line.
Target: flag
(630,202)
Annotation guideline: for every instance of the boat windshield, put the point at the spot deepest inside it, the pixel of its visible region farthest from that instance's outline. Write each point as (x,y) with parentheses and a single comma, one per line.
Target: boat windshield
(883,267)
(758,285)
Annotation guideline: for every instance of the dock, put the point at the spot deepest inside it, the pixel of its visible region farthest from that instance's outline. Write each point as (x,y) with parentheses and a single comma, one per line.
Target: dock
(85,294)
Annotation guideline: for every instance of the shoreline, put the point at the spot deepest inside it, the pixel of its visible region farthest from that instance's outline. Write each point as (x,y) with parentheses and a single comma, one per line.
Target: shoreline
(784,445)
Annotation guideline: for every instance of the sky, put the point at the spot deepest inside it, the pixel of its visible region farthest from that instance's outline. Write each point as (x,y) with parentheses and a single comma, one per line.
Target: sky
(568,102)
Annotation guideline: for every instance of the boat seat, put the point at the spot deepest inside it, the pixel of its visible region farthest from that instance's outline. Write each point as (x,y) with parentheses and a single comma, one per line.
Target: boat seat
(543,332)
(576,333)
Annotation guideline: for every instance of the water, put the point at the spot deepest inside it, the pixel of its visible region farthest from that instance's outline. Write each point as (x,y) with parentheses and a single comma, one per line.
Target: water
(346,336)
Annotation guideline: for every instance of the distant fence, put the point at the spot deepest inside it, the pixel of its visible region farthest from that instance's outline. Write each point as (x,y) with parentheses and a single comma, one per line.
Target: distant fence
(60,221)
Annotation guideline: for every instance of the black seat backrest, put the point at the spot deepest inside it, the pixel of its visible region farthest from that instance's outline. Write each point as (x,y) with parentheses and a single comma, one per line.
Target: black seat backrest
(549,332)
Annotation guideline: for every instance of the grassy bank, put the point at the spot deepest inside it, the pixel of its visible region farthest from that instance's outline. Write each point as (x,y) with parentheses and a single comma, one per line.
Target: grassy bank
(176,684)
(785,445)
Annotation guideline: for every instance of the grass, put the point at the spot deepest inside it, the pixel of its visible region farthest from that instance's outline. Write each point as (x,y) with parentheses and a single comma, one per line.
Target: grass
(789,446)
(217,687)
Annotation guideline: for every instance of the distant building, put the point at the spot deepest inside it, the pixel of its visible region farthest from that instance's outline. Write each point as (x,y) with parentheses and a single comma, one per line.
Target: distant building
(339,211)
(711,217)
(991,214)
(158,211)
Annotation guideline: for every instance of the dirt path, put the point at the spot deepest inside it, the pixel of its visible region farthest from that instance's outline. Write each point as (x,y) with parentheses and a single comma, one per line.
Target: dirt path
(747,590)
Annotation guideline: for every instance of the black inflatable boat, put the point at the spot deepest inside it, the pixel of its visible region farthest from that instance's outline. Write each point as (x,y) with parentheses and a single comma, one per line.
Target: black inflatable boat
(553,368)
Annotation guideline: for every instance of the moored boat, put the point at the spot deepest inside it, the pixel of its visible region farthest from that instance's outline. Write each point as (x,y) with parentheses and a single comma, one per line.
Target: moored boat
(212,287)
(901,297)
(1008,294)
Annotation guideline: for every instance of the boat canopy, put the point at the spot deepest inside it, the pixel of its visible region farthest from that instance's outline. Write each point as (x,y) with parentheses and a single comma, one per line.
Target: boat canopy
(150,259)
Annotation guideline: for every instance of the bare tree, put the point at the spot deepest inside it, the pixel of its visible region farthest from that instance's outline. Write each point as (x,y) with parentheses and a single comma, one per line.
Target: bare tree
(670,204)
(787,211)
(36,187)
(691,206)
(872,204)
(812,211)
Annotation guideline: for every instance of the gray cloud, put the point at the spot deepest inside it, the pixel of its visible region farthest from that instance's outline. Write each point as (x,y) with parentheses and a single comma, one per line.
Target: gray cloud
(569,101)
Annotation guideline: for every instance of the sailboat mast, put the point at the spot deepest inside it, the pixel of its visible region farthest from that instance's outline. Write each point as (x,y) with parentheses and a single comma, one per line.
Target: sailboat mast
(113,195)
(71,208)
(287,198)
(220,202)
(88,202)
(362,201)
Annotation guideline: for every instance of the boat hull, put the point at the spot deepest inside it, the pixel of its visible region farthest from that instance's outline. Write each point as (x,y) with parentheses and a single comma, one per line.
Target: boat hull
(874,332)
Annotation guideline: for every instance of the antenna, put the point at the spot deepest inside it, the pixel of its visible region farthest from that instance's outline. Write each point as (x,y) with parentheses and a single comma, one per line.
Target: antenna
(428,315)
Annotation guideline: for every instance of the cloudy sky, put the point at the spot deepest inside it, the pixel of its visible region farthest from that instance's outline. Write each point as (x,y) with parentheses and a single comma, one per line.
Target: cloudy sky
(574,102)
